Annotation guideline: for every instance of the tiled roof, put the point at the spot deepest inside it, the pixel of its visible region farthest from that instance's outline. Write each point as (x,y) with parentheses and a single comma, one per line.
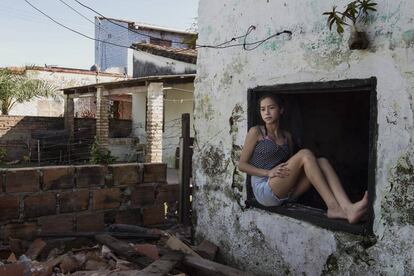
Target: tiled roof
(185,55)
(22,70)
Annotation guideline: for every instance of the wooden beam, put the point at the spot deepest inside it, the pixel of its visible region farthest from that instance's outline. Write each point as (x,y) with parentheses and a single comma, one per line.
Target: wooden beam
(162,266)
(126,90)
(205,267)
(123,249)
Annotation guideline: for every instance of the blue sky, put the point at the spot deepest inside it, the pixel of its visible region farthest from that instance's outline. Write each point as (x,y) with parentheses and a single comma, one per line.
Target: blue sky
(29,38)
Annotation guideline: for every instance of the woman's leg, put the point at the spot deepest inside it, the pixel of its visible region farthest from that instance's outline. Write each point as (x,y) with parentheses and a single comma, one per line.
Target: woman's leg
(355,210)
(306,161)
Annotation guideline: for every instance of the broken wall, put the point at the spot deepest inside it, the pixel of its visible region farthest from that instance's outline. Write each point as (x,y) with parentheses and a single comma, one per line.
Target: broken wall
(268,243)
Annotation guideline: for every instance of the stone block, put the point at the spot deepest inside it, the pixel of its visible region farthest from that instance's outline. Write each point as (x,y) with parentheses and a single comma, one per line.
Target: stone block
(155,172)
(126,174)
(9,207)
(90,176)
(39,205)
(61,177)
(22,231)
(90,222)
(106,199)
(57,224)
(22,180)
(153,215)
(143,195)
(74,201)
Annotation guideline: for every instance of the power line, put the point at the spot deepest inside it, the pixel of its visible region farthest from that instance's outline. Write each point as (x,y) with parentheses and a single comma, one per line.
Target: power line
(74,31)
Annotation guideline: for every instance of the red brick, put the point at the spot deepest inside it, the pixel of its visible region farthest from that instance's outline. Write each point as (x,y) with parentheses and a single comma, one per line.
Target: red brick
(143,195)
(90,176)
(91,222)
(155,172)
(131,216)
(153,215)
(22,180)
(73,201)
(106,199)
(58,178)
(168,193)
(126,174)
(9,207)
(39,205)
(56,224)
(25,231)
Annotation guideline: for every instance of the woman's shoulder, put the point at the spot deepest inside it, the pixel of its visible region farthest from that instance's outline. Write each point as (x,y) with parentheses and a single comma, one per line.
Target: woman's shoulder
(257,130)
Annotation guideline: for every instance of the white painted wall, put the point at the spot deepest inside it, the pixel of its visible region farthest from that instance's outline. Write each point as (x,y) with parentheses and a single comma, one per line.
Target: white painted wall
(166,66)
(54,106)
(270,244)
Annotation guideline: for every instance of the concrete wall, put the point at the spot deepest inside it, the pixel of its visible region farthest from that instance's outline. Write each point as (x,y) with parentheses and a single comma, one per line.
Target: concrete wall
(114,58)
(81,198)
(53,106)
(176,103)
(267,243)
(146,64)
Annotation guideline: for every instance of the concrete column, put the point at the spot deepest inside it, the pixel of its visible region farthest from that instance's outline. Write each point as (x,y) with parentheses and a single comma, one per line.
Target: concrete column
(139,103)
(155,105)
(69,115)
(102,120)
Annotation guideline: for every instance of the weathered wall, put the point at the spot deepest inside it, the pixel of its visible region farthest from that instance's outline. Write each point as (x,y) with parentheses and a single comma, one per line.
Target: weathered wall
(18,134)
(53,106)
(146,64)
(68,199)
(267,243)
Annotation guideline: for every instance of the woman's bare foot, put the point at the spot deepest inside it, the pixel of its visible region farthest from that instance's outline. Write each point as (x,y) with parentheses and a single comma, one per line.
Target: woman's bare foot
(336,213)
(357,210)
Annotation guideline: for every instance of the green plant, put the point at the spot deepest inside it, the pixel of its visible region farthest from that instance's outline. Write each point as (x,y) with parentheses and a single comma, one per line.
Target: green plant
(99,155)
(17,87)
(3,155)
(355,11)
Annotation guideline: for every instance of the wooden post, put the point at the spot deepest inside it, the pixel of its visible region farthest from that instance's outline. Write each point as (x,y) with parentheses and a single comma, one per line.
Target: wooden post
(184,172)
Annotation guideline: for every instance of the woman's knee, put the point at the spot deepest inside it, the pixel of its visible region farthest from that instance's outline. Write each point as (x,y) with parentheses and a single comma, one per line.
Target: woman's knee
(323,161)
(306,155)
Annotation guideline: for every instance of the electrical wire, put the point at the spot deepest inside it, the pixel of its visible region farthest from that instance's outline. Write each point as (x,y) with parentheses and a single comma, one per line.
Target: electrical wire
(74,31)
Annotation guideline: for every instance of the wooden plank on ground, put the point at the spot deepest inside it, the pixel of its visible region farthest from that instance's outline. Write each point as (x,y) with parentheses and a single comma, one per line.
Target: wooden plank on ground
(206,250)
(206,267)
(120,235)
(162,266)
(176,244)
(123,250)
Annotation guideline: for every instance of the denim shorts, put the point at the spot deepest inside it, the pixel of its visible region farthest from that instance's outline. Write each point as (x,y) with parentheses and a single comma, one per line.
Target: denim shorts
(264,194)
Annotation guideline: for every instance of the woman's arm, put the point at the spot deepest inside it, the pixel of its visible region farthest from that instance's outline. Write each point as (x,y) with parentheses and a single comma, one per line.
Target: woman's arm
(248,148)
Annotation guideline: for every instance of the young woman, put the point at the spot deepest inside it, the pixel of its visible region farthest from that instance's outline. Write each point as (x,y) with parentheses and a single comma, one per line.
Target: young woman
(277,176)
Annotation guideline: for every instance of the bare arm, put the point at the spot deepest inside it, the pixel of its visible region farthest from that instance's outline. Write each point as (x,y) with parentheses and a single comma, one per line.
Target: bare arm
(248,148)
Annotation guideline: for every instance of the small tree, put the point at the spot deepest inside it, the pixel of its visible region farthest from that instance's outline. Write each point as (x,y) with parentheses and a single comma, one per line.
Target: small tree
(19,88)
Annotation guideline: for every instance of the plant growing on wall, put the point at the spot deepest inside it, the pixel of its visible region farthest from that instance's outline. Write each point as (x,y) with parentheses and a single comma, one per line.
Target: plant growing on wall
(99,155)
(19,88)
(356,12)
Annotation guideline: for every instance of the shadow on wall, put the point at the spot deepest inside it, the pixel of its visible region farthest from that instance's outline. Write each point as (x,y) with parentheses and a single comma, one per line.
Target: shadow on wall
(144,69)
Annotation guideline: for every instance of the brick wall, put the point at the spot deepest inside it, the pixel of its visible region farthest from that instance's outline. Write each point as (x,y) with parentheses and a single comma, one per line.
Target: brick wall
(16,132)
(84,198)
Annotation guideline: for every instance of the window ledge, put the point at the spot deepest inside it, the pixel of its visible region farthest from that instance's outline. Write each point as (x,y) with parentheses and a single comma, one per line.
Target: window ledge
(314,216)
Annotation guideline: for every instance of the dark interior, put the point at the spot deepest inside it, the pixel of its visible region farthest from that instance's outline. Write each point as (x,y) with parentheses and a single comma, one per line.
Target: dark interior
(335,120)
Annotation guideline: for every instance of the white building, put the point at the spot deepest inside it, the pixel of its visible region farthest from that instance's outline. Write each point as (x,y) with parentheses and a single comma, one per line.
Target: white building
(112,58)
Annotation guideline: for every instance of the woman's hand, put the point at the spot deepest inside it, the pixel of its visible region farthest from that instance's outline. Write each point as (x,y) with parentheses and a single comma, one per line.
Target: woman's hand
(280,170)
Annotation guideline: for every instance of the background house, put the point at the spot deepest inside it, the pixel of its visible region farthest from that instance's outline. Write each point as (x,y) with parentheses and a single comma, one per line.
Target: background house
(378,110)
(59,77)
(115,59)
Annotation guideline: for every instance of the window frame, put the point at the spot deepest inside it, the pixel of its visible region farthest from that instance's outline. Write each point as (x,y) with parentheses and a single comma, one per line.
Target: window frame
(306,213)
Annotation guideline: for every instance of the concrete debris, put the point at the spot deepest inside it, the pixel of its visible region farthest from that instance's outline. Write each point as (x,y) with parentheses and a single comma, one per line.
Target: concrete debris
(104,254)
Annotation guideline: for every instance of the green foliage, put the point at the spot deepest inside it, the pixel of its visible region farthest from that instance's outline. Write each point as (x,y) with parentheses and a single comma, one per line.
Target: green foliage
(100,156)
(19,88)
(3,155)
(355,11)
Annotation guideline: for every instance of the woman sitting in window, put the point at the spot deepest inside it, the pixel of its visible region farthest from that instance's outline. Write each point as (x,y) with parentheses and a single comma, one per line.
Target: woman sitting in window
(278,176)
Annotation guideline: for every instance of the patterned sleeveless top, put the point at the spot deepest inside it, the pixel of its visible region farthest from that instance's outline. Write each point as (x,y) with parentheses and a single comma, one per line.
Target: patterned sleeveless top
(267,154)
